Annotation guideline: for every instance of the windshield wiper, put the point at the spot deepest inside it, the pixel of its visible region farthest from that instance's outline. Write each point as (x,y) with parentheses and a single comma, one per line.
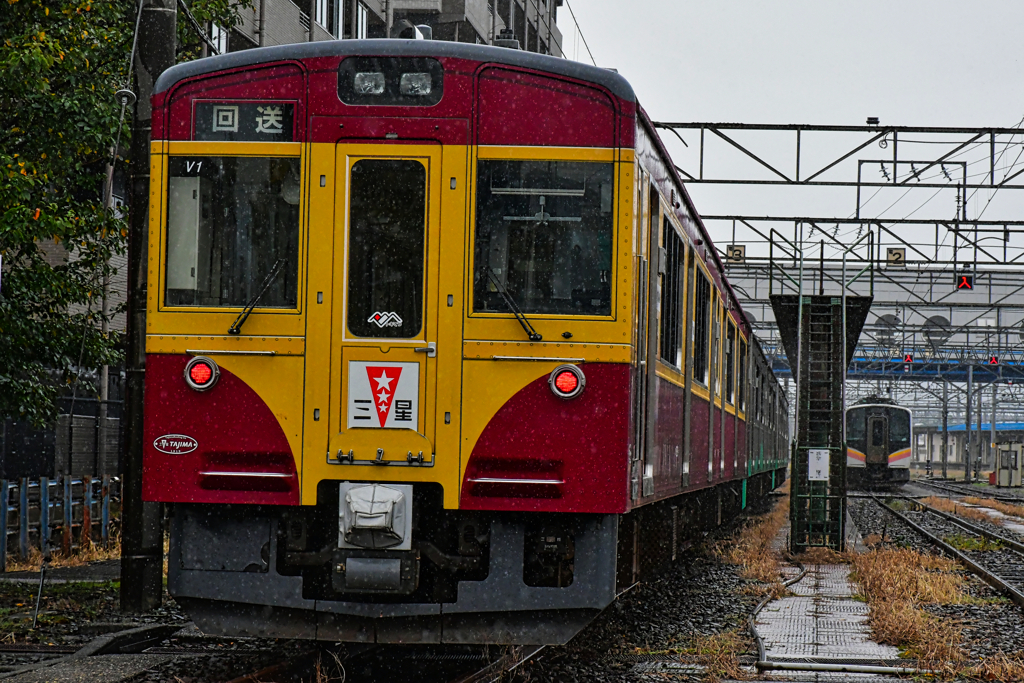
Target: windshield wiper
(514,307)
(236,327)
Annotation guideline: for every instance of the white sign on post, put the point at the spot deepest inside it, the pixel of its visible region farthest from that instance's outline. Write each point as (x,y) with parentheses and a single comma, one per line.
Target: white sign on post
(817,465)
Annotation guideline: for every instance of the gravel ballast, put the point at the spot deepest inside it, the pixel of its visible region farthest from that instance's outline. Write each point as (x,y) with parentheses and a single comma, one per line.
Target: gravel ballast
(992,626)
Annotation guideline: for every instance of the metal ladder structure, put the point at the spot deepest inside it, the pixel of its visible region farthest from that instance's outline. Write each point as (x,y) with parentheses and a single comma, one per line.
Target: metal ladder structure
(818,498)
(820,334)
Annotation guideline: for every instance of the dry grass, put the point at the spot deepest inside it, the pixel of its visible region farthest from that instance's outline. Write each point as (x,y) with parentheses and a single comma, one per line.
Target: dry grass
(753,551)
(823,556)
(896,582)
(952,507)
(999,668)
(92,552)
(872,540)
(1005,508)
(718,654)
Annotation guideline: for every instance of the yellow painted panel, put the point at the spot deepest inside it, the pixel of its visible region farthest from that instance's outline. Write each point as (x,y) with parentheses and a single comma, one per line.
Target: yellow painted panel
(224,345)
(591,353)
(670,374)
(274,379)
(233,149)
(320,298)
(452,240)
(491,384)
(157,215)
(547,153)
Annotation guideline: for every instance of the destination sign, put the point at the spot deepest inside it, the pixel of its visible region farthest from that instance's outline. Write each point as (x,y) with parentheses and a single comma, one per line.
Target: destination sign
(245,121)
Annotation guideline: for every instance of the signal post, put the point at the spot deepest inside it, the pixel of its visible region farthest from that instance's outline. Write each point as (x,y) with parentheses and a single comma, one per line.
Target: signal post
(141,523)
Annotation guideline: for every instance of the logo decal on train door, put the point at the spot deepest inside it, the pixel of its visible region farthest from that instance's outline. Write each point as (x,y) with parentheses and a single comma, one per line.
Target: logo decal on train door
(385,319)
(383,395)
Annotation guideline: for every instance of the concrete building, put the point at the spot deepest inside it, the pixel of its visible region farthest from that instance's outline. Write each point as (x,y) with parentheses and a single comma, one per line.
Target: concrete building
(533,23)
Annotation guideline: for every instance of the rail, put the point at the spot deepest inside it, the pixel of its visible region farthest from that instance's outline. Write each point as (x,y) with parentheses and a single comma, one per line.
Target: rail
(958,490)
(987,576)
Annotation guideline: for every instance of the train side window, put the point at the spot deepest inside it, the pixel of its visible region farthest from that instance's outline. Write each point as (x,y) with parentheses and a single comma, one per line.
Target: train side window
(730,364)
(716,349)
(671,345)
(742,379)
(701,325)
(544,234)
(387,238)
(230,222)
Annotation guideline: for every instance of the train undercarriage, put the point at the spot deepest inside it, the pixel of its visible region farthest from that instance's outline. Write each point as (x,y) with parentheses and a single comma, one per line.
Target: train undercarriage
(445,576)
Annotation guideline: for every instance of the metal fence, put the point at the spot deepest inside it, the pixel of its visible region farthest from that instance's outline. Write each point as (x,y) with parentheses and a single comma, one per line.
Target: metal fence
(68,513)
(59,484)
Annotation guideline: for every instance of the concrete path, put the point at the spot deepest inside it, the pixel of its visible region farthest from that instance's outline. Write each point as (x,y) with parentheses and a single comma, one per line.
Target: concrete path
(822,623)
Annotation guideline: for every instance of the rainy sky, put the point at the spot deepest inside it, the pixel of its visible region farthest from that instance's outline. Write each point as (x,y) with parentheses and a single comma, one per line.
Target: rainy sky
(917,63)
(921,62)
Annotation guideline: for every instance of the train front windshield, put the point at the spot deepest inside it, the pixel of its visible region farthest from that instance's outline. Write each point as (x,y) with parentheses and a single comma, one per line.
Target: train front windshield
(899,429)
(884,427)
(230,220)
(544,234)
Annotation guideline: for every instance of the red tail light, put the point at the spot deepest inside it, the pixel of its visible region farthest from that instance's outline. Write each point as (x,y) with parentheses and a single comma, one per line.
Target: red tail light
(567,381)
(201,373)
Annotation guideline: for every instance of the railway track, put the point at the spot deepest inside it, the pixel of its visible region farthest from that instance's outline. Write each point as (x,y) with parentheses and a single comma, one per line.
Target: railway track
(438,664)
(424,664)
(969,490)
(998,560)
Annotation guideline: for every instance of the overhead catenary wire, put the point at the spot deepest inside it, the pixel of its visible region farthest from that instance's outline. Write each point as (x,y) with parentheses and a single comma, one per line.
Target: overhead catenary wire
(966,150)
(580,32)
(197,28)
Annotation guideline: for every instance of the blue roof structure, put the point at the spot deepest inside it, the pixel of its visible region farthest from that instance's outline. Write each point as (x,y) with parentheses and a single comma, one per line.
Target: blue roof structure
(986,426)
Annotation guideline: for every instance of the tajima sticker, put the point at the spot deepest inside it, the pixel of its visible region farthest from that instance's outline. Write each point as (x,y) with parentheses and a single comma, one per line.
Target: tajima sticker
(383,395)
(175,444)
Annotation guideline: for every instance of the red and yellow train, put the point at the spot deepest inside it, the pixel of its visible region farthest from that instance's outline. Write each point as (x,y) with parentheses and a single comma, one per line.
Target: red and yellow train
(438,348)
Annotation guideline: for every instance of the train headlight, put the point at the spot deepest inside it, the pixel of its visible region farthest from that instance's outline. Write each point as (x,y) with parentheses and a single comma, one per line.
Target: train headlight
(201,373)
(567,381)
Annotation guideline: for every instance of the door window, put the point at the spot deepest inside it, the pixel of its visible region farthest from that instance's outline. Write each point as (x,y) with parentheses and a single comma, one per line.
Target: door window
(387,237)
(877,432)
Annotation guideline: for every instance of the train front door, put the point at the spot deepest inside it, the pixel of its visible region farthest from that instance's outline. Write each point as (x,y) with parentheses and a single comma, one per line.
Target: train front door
(384,349)
(878,440)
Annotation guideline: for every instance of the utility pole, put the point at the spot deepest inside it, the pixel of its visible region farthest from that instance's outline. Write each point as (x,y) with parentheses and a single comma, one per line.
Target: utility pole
(992,451)
(142,530)
(967,424)
(981,442)
(945,425)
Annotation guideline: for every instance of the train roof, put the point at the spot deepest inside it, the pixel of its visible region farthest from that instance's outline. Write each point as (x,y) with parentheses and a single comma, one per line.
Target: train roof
(611,80)
(875,401)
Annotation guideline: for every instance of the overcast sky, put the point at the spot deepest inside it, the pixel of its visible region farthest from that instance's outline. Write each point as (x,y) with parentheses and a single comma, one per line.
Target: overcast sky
(910,63)
(922,62)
